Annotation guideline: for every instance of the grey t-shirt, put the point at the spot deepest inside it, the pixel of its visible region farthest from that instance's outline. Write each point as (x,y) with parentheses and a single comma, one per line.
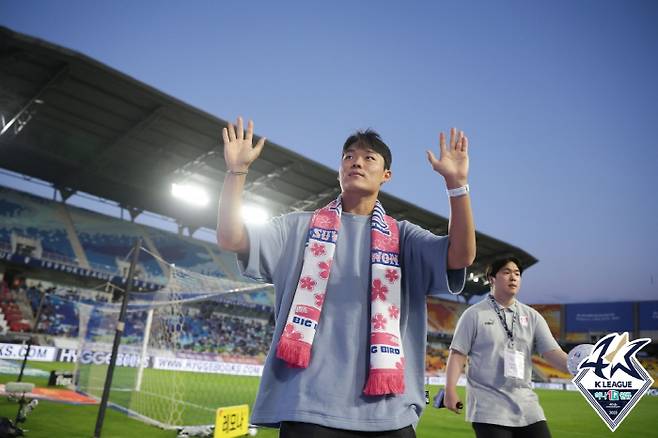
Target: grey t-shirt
(330,391)
(491,397)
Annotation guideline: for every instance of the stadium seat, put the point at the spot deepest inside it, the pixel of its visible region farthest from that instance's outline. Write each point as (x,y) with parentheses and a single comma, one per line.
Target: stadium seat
(37,218)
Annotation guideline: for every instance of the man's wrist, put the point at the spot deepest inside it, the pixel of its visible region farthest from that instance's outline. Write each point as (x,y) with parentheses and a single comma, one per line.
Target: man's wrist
(237,171)
(458,191)
(453,183)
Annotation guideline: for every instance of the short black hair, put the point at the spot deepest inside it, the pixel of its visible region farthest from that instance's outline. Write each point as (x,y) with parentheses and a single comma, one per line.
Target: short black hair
(498,264)
(374,142)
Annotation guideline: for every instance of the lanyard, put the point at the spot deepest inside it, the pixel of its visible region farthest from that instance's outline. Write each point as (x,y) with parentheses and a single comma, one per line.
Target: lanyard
(510,332)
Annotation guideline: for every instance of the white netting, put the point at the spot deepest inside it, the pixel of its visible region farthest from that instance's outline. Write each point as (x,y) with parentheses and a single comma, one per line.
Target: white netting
(184,352)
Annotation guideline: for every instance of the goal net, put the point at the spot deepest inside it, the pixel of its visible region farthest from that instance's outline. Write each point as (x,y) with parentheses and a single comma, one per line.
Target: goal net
(187,349)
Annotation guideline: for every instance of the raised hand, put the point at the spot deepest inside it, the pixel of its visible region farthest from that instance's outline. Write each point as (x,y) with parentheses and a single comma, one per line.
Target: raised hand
(453,160)
(239,152)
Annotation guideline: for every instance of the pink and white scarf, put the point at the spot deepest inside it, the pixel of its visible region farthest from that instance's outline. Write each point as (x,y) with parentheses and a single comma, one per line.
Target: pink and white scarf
(386,374)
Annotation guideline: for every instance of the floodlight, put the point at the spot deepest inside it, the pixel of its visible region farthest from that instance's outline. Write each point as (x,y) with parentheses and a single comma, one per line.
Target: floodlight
(254,214)
(191,194)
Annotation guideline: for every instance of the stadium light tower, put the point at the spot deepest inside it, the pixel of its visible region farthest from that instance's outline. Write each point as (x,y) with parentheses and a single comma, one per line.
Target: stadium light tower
(191,194)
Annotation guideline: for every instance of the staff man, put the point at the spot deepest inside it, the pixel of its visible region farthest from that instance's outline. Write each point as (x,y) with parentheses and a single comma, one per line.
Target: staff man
(497,336)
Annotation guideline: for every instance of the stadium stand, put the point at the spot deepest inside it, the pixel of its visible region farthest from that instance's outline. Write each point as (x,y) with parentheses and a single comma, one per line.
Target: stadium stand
(543,371)
(13,317)
(4,328)
(442,315)
(107,241)
(209,328)
(36,220)
(184,253)
(651,365)
(436,358)
(552,314)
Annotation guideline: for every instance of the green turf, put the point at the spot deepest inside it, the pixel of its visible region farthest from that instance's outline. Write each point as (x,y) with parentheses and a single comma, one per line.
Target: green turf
(202,393)
(568,413)
(57,420)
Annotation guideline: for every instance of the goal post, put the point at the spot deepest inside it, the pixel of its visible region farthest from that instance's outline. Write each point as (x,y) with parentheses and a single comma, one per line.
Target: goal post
(173,367)
(144,353)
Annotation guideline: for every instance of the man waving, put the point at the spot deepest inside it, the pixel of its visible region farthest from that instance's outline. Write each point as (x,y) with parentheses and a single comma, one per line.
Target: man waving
(348,350)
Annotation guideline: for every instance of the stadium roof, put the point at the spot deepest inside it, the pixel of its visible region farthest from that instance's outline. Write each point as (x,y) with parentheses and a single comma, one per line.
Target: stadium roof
(82,126)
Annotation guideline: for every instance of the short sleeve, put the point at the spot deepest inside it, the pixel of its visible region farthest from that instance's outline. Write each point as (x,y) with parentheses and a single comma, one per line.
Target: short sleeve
(544,340)
(426,258)
(266,244)
(462,340)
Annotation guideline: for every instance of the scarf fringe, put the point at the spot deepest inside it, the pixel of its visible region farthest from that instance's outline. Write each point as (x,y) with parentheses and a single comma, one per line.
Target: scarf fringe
(382,382)
(297,354)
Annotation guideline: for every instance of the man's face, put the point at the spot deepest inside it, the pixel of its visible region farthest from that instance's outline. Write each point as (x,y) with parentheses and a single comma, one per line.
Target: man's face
(507,280)
(362,170)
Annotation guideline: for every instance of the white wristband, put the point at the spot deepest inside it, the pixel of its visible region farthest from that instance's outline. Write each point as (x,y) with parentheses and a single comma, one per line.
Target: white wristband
(459,191)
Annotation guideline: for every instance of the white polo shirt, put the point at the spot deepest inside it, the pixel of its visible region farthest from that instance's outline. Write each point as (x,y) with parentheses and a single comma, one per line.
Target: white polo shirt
(480,335)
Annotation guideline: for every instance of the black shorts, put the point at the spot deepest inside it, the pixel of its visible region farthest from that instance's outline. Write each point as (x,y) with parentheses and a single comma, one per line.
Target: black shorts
(535,430)
(290,429)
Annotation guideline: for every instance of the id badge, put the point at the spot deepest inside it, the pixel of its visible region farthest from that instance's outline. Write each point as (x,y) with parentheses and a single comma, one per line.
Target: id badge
(514,364)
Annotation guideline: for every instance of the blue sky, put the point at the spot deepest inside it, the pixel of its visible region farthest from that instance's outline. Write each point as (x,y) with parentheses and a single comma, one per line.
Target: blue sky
(559,100)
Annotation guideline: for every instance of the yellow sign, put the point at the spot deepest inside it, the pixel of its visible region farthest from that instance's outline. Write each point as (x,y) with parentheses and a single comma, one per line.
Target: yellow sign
(232,421)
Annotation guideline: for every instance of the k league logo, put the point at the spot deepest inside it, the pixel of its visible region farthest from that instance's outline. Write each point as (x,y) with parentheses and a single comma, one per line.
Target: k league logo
(611,378)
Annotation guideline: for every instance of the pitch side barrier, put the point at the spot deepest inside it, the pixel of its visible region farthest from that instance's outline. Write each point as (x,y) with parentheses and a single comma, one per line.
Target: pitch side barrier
(564,385)
(197,363)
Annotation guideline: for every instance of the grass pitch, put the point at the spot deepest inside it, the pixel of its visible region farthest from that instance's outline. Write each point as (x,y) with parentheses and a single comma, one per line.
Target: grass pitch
(568,413)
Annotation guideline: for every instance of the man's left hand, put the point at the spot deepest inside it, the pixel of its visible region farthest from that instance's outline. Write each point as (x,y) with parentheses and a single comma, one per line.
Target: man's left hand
(453,160)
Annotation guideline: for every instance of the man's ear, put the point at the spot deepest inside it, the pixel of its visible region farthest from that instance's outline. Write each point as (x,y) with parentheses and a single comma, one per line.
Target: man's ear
(388,174)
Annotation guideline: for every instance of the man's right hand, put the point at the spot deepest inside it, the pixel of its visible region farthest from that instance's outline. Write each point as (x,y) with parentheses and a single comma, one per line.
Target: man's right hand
(238,150)
(451,400)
